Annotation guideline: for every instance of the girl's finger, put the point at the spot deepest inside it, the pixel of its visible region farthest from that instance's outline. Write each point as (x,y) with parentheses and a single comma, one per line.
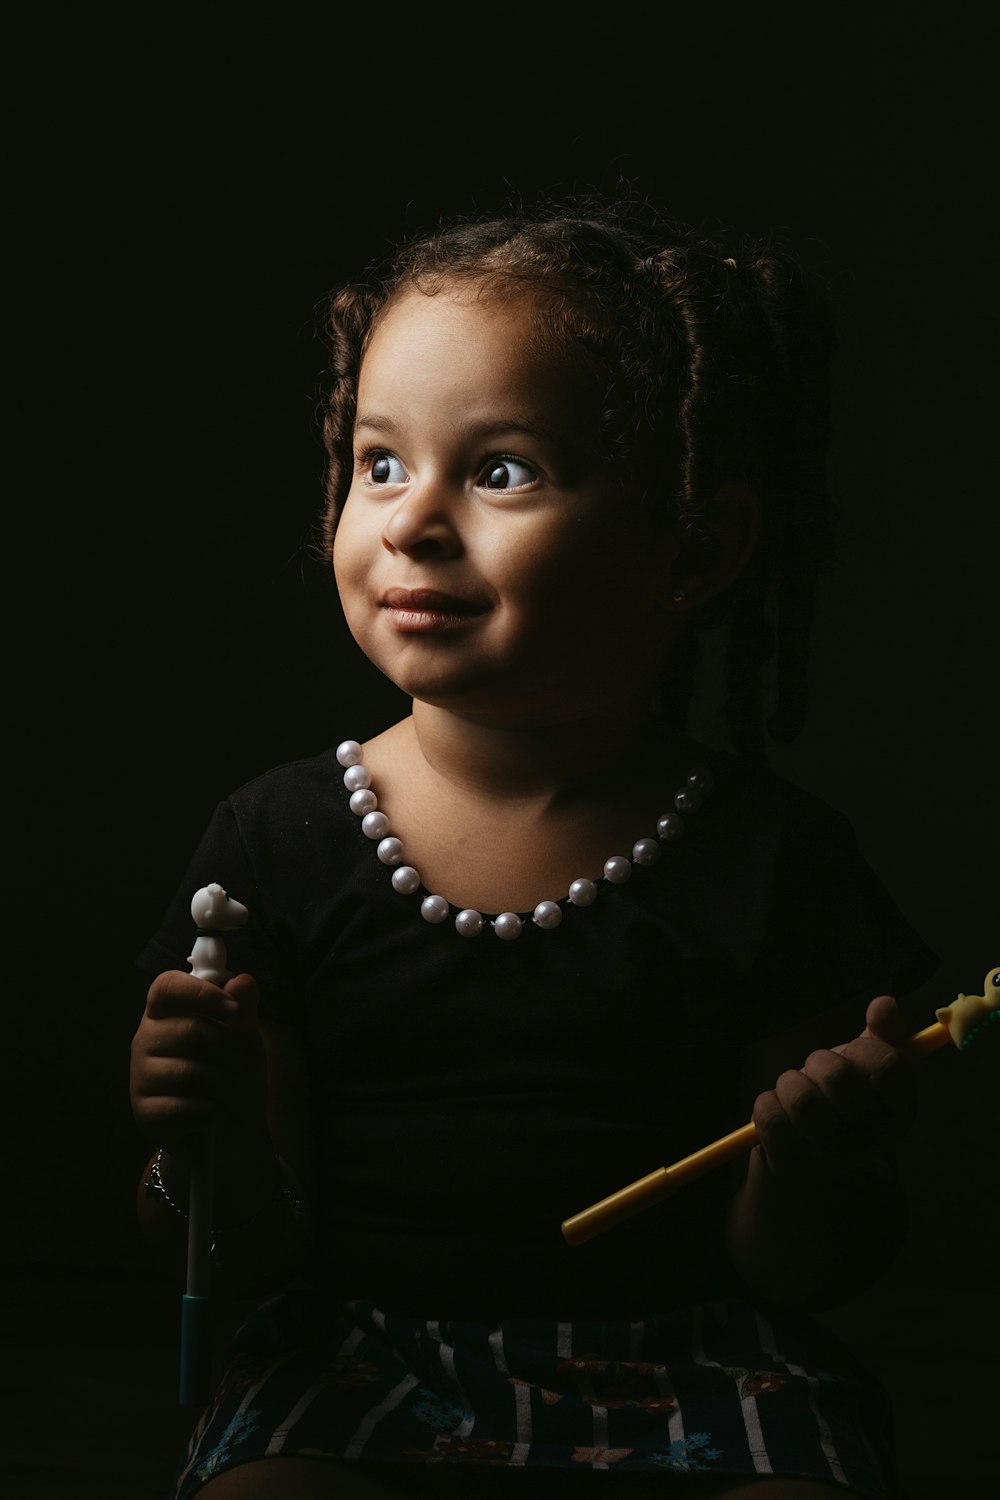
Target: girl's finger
(243,989)
(847,1088)
(825,1128)
(869,1088)
(180,1078)
(177,994)
(170,1118)
(884,1066)
(188,1037)
(883,1020)
(788,1149)
(882,1023)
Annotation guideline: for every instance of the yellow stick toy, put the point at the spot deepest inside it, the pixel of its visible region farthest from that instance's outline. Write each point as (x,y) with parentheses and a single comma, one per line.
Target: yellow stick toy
(962,1022)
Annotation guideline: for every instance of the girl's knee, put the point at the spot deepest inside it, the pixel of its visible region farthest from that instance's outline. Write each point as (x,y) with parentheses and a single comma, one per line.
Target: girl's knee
(778,1488)
(331,1479)
(297,1479)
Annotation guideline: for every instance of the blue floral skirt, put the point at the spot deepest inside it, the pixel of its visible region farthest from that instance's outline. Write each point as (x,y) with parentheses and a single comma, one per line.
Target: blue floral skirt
(722,1389)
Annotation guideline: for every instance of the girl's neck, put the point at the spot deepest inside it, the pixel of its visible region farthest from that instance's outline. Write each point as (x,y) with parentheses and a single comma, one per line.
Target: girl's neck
(498,818)
(551,763)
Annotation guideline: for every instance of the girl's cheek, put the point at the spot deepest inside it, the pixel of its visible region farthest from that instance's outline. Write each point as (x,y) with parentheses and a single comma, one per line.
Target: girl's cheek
(345,551)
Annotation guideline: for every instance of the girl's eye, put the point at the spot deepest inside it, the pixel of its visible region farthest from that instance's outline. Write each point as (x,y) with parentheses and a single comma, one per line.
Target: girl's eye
(382,471)
(507,474)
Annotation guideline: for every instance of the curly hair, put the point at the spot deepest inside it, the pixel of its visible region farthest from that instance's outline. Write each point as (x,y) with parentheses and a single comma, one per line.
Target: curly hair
(711,350)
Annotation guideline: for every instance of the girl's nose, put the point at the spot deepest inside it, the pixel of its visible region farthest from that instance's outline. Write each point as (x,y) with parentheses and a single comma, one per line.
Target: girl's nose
(423,524)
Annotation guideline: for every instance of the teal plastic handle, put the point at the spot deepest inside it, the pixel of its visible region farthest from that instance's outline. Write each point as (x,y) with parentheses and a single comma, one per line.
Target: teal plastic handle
(196,1351)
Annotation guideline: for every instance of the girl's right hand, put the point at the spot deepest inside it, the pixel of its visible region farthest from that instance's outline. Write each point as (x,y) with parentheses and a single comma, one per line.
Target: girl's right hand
(198,1060)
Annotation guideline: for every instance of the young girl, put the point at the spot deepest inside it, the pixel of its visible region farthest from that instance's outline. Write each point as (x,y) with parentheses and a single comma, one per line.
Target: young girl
(532,942)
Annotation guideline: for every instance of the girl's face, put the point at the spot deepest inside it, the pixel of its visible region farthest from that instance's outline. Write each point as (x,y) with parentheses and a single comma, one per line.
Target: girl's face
(486,558)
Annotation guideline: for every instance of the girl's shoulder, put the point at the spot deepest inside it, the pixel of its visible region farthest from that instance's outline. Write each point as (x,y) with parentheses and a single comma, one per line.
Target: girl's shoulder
(750,797)
(264,843)
(828,924)
(291,786)
(288,816)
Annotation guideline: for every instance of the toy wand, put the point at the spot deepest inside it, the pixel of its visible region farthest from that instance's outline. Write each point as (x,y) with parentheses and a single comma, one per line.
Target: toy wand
(962,1022)
(215,914)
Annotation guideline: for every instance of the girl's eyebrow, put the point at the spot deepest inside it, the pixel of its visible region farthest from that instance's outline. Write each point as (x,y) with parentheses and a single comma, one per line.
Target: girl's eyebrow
(377,423)
(491,428)
(519,424)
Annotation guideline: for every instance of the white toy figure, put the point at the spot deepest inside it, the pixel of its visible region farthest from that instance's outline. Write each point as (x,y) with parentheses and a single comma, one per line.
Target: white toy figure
(214,913)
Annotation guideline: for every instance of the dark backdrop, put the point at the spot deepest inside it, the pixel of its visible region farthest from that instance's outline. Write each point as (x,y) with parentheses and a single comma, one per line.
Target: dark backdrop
(171,635)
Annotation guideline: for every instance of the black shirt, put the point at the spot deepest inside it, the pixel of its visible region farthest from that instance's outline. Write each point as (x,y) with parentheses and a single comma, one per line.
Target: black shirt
(468,1094)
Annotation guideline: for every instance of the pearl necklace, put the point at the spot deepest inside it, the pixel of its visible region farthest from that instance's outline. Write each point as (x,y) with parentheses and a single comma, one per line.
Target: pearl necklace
(508,925)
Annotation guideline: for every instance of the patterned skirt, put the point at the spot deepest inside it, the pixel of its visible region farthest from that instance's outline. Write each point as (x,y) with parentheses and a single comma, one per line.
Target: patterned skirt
(721,1389)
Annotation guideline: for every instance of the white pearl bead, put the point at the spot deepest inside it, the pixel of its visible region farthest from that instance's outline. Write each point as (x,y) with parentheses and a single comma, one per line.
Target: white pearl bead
(349,752)
(547,914)
(646,852)
(508,926)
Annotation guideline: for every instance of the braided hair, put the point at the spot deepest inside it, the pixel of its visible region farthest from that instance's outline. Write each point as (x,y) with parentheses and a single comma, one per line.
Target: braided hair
(714,353)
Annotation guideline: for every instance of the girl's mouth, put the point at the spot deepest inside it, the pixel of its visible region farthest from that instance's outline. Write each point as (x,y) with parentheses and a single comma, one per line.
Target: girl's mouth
(428,609)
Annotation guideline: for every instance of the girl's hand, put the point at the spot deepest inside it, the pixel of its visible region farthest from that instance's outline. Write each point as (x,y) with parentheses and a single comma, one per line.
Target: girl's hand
(198,1060)
(846,1104)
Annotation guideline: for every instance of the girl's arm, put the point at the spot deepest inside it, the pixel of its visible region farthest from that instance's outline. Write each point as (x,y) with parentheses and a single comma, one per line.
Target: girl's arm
(201,1057)
(819,1214)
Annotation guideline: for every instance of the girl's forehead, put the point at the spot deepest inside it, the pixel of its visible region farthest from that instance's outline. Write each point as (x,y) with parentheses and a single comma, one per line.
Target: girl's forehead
(455,311)
(467,336)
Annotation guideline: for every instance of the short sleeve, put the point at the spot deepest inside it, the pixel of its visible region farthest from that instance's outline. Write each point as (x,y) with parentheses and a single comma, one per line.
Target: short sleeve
(834,932)
(222,856)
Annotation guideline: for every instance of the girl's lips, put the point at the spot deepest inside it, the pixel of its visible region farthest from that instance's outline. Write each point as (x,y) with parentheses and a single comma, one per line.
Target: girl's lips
(431,599)
(428,609)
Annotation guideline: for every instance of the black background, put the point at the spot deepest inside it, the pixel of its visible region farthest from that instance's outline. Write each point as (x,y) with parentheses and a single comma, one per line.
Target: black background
(189,196)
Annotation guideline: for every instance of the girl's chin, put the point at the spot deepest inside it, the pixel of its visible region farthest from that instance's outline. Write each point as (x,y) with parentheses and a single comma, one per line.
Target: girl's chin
(500,700)
(443,685)
(417,678)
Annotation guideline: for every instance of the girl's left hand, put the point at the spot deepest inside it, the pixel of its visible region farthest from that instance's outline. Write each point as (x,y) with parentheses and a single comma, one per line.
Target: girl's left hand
(846,1104)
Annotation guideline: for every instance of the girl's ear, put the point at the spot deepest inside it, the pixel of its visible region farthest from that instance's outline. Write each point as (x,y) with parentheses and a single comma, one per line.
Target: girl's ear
(735,518)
